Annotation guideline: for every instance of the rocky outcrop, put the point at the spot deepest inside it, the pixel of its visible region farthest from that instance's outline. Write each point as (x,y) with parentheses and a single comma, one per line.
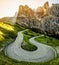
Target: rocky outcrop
(46,22)
(53,10)
(51,20)
(46,5)
(25,11)
(41,11)
(29,23)
(50,25)
(27,18)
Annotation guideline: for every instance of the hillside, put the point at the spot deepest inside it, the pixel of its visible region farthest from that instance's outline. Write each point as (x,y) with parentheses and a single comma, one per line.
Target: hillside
(8,34)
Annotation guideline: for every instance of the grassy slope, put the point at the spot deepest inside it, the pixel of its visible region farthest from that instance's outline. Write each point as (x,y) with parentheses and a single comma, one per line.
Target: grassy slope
(51,42)
(26,44)
(7,34)
(48,41)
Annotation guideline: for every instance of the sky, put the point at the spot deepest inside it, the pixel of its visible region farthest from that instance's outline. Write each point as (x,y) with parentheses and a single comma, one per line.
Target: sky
(9,7)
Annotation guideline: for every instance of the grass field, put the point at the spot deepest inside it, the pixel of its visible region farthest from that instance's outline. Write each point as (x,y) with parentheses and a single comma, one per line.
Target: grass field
(8,33)
(51,42)
(48,41)
(26,44)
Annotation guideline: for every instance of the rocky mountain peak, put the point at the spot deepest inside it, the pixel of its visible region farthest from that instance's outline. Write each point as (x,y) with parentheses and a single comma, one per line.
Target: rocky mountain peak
(46,5)
(26,10)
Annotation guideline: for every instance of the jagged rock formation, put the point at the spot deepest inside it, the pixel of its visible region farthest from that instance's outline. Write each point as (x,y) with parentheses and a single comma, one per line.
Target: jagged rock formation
(41,11)
(53,10)
(29,23)
(25,11)
(25,14)
(26,17)
(46,19)
(51,20)
(46,5)
(51,25)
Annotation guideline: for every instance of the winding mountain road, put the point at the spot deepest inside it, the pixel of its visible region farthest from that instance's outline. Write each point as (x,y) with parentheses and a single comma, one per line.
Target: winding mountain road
(42,54)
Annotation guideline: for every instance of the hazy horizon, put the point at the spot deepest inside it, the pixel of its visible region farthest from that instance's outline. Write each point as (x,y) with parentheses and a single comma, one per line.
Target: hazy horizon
(9,7)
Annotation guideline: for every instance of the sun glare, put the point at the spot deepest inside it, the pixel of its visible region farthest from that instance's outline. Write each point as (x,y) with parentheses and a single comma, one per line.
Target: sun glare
(1,38)
(6,26)
(1,33)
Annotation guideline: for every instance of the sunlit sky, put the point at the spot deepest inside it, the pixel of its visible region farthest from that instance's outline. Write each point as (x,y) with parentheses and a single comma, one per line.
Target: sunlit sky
(9,7)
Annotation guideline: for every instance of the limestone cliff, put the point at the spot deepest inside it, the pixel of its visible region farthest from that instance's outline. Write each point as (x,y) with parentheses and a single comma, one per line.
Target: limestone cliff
(47,22)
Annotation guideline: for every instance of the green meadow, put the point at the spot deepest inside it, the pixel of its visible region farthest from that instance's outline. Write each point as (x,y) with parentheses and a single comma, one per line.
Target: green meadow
(8,34)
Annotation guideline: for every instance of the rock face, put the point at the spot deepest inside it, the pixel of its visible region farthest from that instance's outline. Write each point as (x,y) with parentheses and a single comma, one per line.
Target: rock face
(51,20)
(48,24)
(29,23)
(26,17)
(41,11)
(46,5)
(51,25)
(26,11)
(53,10)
